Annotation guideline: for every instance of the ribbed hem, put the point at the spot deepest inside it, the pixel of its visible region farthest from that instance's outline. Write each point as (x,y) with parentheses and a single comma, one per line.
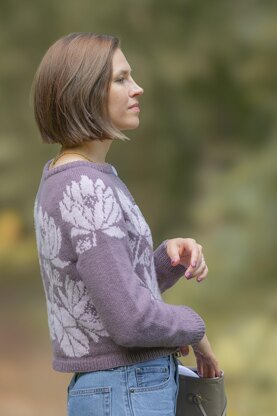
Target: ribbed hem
(111,360)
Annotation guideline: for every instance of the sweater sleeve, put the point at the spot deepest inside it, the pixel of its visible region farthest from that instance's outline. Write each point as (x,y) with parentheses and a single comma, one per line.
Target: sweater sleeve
(132,316)
(167,275)
(128,311)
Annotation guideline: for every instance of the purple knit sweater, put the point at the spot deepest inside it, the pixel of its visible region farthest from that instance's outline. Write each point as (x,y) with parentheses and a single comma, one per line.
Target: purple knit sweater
(101,277)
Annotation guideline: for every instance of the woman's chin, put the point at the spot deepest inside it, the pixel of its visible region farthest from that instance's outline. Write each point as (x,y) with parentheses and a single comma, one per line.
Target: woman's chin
(130,126)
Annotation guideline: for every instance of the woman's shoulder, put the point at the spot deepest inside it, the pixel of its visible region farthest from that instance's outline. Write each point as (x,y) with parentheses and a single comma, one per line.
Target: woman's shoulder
(78,187)
(74,170)
(79,179)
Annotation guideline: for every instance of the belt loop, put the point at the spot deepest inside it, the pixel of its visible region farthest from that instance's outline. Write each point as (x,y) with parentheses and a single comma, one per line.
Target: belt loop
(77,375)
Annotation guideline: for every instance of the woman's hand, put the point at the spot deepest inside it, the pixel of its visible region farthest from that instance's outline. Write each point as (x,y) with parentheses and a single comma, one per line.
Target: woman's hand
(207,365)
(187,252)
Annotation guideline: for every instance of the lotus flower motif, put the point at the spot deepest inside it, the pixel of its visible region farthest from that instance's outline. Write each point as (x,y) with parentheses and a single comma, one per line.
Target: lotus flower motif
(90,207)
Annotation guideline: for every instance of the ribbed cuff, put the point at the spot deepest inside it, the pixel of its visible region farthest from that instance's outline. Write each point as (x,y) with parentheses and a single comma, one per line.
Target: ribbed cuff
(167,274)
(196,324)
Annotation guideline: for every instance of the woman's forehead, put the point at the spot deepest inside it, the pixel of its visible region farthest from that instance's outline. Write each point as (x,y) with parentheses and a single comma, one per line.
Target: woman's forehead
(120,63)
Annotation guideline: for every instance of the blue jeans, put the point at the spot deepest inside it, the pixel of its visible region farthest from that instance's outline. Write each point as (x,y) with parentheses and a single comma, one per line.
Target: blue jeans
(144,389)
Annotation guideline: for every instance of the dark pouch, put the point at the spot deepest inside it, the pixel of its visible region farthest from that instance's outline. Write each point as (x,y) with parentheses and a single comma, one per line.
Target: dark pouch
(201,396)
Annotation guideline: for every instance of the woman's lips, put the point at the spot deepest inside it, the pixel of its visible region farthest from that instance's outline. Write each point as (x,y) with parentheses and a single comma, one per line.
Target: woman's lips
(135,108)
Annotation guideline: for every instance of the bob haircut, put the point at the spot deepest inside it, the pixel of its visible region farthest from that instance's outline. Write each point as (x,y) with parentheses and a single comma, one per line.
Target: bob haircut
(70,90)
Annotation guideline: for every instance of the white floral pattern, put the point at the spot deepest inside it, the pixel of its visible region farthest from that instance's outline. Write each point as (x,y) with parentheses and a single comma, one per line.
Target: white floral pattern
(83,206)
(75,319)
(138,232)
(89,207)
(72,317)
(136,223)
(49,238)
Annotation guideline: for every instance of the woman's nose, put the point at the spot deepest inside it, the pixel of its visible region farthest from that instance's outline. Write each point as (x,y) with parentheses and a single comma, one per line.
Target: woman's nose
(136,89)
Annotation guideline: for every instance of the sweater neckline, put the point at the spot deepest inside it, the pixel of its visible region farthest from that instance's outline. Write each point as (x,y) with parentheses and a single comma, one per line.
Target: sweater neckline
(102,167)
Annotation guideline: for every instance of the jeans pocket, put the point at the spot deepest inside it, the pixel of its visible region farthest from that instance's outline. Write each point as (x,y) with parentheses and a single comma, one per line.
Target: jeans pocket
(153,375)
(94,401)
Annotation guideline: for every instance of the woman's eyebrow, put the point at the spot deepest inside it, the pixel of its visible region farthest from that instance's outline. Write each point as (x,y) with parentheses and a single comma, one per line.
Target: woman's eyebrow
(123,71)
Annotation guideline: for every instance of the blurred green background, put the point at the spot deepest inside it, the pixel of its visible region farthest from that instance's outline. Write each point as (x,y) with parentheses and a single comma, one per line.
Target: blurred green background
(202,164)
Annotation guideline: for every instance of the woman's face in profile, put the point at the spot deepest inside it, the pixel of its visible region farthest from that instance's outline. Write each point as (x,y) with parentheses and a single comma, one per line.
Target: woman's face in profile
(123,93)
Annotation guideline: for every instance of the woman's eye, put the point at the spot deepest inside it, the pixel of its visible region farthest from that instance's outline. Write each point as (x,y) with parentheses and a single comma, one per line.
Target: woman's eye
(120,79)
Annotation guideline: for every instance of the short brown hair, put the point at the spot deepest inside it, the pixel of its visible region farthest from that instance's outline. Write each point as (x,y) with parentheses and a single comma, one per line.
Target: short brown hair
(70,90)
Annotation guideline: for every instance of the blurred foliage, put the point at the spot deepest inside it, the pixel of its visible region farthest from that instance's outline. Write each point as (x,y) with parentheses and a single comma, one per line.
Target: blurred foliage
(205,151)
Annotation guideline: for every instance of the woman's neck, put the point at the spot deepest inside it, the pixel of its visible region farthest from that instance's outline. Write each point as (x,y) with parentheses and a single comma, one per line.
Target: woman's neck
(96,150)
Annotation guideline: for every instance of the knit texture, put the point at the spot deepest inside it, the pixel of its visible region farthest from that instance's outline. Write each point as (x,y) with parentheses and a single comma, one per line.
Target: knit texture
(101,277)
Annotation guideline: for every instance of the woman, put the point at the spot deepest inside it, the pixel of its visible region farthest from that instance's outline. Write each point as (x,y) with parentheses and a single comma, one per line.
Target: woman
(102,279)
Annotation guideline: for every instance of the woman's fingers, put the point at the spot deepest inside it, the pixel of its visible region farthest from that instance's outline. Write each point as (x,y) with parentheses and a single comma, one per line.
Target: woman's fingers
(201,272)
(187,248)
(184,350)
(206,369)
(199,364)
(196,255)
(173,251)
(188,252)
(207,366)
(206,361)
(210,371)
(202,275)
(217,369)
